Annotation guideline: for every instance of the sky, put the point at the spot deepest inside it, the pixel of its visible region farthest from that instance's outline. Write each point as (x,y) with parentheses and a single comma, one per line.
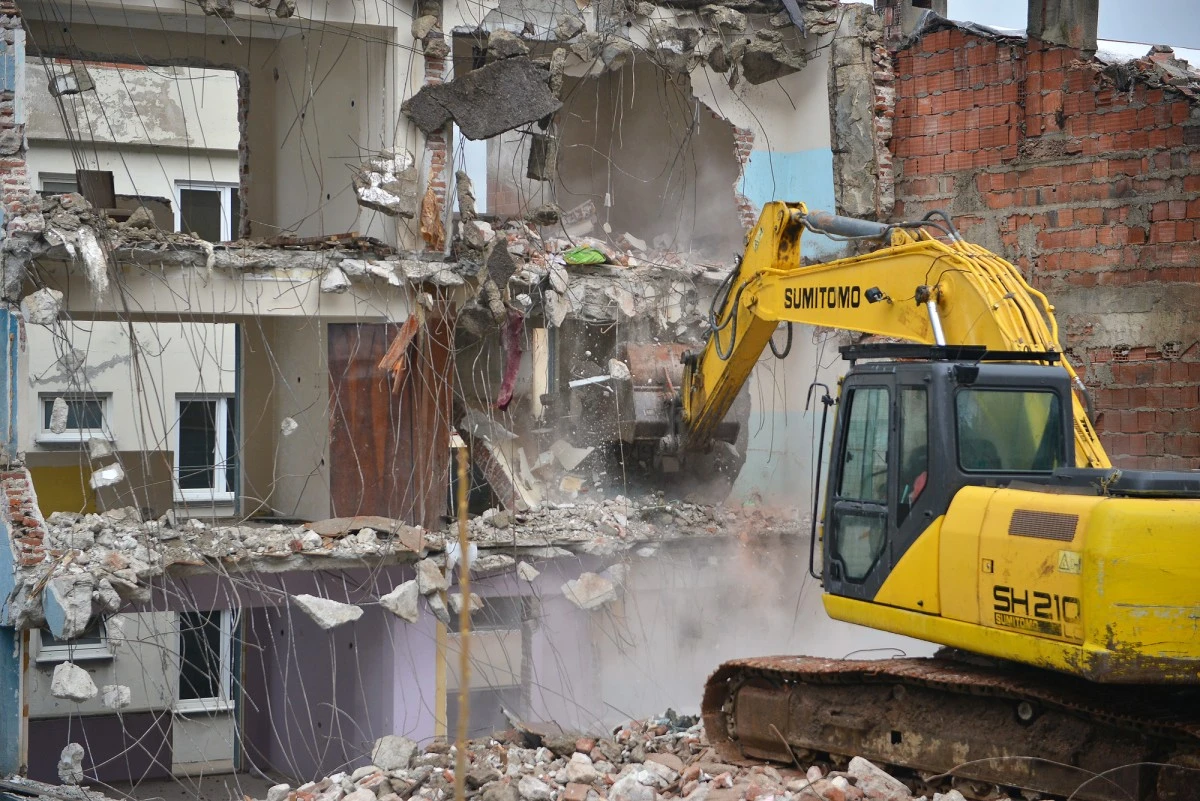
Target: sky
(1170,22)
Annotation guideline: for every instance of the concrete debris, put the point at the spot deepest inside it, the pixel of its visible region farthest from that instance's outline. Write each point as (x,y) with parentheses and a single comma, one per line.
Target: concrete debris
(533,789)
(568,27)
(464,187)
(543,157)
(505,44)
(402,601)
(616,53)
(467,100)
(278,792)
(767,58)
(107,476)
(456,602)
(99,448)
(42,307)
(388,183)
(288,426)
(327,614)
(437,606)
(423,25)
(430,578)
(569,456)
(723,17)
(393,753)
(527,572)
(544,215)
(335,281)
(876,783)
(59,413)
(590,591)
(72,683)
(478,234)
(557,308)
(70,764)
(116,696)
(619,370)
(218,8)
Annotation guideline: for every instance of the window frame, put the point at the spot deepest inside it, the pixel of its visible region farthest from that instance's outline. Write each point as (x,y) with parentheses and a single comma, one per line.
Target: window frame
(225,190)
(73,651)
(73,436)
(220,456)
(844,507)
(229,620)
(56,177)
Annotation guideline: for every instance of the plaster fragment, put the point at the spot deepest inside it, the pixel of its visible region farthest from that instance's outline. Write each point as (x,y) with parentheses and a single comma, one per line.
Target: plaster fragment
(72,683)
(288,426)
(327,614)
(42,307)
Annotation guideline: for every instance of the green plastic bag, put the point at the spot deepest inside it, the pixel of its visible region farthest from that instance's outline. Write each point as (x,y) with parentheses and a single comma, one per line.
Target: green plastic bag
(584,255)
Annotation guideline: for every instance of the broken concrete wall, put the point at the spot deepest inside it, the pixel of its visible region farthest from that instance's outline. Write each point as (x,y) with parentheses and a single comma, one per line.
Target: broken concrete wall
(309,120)
(1084,175)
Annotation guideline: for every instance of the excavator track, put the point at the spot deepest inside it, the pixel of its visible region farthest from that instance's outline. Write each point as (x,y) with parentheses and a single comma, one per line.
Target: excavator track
(980,726)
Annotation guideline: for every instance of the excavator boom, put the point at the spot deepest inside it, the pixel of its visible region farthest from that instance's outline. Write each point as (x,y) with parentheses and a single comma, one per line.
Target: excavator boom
(915,288)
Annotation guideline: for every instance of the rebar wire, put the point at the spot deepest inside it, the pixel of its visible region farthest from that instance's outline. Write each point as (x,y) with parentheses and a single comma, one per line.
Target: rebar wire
(464,632)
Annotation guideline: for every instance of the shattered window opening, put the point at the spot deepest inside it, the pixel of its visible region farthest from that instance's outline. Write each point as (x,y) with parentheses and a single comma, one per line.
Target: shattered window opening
(206,643)
(92,644)
(85,419)
(206,449)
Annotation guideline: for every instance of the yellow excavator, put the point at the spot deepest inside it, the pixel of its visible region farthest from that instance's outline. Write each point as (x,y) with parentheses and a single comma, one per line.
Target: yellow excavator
(968,503)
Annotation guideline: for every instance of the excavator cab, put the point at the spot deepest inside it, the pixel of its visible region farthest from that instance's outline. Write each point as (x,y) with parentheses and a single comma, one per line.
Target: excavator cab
(916,424)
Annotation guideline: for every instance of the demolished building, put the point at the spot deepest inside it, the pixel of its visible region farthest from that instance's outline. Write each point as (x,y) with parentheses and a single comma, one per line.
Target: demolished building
(504,223)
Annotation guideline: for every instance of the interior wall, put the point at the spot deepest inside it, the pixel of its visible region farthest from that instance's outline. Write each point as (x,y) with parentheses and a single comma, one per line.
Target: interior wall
(655,161)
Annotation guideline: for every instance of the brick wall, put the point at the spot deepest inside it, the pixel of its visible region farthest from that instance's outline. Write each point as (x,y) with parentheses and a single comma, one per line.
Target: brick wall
(1088,179)
(14,182)
(743,146)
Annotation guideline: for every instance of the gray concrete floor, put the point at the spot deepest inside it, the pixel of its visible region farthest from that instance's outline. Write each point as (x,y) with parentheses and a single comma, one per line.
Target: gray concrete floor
(216,787)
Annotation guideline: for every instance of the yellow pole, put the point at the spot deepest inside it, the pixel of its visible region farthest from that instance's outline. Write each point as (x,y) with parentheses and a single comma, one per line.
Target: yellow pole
(464,632)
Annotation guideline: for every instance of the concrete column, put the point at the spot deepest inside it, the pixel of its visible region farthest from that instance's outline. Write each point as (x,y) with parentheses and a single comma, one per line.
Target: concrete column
(1071,23)
(12,641)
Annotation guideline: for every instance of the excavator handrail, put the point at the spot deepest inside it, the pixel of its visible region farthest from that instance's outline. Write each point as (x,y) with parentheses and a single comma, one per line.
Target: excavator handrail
(916,288)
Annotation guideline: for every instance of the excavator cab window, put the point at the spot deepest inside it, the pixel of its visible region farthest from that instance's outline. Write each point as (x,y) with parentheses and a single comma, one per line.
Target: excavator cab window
(860,519)
(1010,431)
(914,449)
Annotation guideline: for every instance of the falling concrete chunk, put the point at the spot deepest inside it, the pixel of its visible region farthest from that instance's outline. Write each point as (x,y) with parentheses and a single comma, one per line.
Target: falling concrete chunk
(70,764)
(456,602)
(615,54)
(527,572)
(430,578)
(327,614)
(723,17)
(465,189)
(557,308)
(560,279)
(505,44)
(288,426)
(116,696)
(438,607)
(623,298)
(59,412)
(470,99)
(107,476)
(72,683)
(543,157)
(99,448)
(42,307)
(217,8)
(590,591)
(568,455)
(335,281)
(618,369)
(393,753)
(388,183)
(95,263)
(402,601)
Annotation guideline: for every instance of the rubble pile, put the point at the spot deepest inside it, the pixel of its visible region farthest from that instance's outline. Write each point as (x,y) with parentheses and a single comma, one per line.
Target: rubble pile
(652,760)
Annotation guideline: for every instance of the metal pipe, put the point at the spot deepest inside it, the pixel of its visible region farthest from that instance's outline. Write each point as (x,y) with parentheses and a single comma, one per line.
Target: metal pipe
(826,223)
(939,337)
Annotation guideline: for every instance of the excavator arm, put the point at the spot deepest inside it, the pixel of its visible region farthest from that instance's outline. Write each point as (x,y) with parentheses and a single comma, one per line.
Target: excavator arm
(915,287)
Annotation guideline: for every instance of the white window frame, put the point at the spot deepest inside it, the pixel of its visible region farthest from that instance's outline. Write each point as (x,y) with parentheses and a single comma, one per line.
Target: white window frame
(224,702)
(74,652)
(226,191)
(58,177)
(72,436)
(220,456)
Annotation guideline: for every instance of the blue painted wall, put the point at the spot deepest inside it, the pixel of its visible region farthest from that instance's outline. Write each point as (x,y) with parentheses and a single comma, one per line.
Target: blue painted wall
(805,175)
(10,667)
